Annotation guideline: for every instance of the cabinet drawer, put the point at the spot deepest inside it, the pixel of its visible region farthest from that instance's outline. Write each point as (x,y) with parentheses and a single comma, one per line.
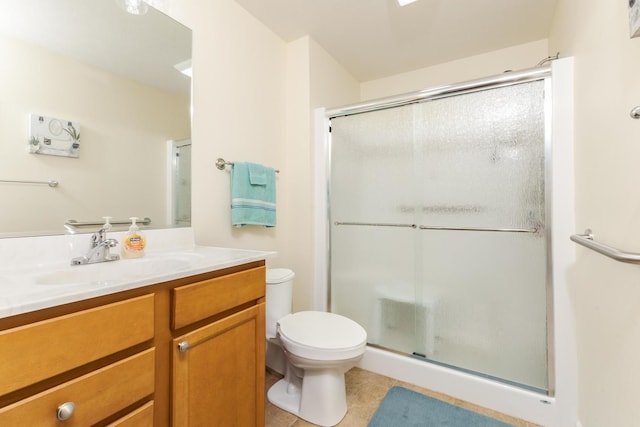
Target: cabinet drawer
(37,351)
(141,417)
(204,299)
(96,395)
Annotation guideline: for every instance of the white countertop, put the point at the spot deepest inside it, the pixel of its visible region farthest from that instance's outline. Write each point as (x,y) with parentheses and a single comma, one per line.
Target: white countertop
(35,273)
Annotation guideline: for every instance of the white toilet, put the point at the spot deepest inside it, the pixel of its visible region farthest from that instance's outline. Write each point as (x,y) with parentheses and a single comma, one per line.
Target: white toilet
(319,348)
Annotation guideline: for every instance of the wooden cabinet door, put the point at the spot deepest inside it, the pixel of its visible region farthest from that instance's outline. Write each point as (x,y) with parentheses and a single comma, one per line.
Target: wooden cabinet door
(218,372)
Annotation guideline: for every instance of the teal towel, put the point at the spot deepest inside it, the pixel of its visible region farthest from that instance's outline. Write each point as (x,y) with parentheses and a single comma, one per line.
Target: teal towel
(253,195)
(257,174)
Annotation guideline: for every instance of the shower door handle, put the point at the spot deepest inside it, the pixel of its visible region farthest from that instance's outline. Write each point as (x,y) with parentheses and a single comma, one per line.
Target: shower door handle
(437,227)
(502,230)
(375,224)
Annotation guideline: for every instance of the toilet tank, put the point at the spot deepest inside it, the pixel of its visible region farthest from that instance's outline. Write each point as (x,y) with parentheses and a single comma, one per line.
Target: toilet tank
(279,297)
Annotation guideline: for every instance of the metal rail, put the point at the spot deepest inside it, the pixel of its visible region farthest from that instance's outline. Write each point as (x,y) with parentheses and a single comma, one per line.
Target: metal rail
(74,223)
(587,241)
(222,164)
(51,183)
(499,80)
(376,224)
(501,230)
(436,227)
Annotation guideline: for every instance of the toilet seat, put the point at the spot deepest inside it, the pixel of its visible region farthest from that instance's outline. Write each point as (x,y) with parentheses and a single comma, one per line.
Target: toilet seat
(318,335)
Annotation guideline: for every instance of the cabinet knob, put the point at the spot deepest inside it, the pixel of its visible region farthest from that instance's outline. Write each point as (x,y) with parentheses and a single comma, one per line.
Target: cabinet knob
(183,346)
(65,411)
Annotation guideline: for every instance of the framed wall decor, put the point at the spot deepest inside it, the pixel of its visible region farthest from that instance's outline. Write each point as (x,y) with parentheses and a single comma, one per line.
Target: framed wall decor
(52,136)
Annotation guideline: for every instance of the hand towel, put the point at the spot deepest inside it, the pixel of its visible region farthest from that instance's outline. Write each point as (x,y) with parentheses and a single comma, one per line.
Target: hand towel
(253,195)
(257,174)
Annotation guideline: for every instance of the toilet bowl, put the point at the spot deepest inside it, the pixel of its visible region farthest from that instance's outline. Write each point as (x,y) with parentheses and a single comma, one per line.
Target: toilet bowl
(319,348)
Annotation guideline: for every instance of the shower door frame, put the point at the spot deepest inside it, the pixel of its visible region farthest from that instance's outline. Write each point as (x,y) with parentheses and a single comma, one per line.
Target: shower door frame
(172,165)
(502,80)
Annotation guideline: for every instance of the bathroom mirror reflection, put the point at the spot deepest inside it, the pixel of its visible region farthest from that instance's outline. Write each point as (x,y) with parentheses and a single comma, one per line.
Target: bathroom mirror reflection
(113,73)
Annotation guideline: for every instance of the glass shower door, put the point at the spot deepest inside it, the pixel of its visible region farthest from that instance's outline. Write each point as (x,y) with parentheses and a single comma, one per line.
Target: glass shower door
(372,238)
(482,255)
(438,236)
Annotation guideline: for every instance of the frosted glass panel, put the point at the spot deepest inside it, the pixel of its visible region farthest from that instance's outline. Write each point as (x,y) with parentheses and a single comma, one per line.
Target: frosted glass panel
(481,158)
(487,295)
(372,166)
(472,300)
(372,183)
(372,270)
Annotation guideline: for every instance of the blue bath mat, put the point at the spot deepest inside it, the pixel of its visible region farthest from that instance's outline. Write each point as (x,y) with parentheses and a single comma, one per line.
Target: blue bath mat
(405,408)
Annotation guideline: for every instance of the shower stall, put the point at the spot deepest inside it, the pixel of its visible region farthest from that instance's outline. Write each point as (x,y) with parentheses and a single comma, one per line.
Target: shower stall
(443,228)
(440,226)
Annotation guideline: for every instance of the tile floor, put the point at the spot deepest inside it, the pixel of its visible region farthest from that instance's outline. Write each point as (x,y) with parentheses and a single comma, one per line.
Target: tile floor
(365,391)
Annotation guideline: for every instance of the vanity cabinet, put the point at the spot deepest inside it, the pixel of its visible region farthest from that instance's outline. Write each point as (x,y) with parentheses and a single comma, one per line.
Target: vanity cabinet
(186,352)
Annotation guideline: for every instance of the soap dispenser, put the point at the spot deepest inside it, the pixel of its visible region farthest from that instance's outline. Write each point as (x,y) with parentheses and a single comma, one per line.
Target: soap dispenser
(134,242)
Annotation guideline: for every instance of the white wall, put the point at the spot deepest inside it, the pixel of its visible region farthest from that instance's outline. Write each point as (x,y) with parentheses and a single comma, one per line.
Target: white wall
(124,126)
(239,99)
(253,96)
(514,58)
(607,293)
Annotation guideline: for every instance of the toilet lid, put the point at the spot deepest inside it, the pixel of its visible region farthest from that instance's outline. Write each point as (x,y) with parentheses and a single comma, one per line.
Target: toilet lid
(320,331)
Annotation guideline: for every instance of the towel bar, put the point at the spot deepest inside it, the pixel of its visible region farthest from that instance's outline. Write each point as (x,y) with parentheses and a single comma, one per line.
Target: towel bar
(587,241)
(222,164)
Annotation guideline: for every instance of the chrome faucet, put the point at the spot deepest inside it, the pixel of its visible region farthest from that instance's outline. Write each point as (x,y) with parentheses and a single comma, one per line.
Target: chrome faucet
(98,248)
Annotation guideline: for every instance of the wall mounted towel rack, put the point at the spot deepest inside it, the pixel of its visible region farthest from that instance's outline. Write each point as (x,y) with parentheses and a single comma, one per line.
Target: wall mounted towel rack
(51,183)
(222,163)
(586,240)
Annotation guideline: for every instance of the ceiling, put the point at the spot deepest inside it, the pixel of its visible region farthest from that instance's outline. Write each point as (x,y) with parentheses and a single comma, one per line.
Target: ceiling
(378,38)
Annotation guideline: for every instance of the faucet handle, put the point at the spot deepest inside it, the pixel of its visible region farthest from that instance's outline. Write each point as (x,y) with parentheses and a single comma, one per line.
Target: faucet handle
(99,235)
(107,224)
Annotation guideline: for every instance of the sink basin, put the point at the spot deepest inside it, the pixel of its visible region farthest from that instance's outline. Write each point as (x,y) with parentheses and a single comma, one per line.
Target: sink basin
(117,271)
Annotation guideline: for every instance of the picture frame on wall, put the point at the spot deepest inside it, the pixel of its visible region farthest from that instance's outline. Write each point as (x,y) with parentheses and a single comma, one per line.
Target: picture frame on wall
(52,136)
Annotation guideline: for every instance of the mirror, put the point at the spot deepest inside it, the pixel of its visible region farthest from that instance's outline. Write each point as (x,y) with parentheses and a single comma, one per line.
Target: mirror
(114,76)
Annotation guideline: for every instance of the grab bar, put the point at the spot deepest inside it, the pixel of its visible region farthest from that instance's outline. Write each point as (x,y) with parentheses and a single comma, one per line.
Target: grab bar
(74,223)
(587,241)
(51,183)
(434,227)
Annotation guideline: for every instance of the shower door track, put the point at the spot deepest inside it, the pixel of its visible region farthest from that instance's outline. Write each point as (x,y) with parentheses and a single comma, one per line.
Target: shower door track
(437,227)
(504,79)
